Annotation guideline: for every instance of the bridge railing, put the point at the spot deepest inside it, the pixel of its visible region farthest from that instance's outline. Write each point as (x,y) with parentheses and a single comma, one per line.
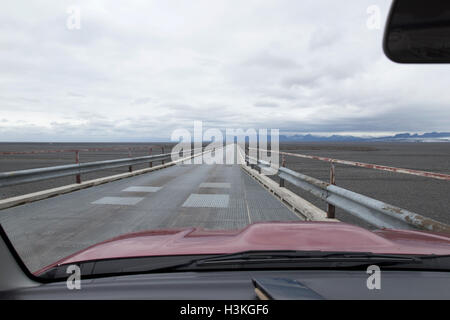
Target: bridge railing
(372,211)
(39,174)
(77,153)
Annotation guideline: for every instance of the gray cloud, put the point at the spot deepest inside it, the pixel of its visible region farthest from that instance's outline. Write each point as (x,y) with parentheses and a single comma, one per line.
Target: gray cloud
(141,101)
(142,69)
(266,104)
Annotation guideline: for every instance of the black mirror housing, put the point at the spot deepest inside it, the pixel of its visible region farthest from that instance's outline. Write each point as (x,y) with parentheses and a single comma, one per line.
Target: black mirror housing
(418,31)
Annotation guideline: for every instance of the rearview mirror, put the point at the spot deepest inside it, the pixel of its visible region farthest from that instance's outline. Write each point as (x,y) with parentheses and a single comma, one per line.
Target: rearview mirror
(418,31)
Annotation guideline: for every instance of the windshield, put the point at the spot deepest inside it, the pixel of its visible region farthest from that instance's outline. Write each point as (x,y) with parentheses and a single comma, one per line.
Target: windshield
(144,130)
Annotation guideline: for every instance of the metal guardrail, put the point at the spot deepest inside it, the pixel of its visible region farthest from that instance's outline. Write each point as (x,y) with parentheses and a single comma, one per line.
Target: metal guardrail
(39,174)
(78,151)
(374,212)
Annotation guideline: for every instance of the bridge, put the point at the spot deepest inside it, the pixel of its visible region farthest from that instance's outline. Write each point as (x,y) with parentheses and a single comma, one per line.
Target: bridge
(179,196)
(173,195)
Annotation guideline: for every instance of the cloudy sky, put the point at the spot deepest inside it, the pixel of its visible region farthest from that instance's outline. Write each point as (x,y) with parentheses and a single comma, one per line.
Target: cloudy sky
(137,70)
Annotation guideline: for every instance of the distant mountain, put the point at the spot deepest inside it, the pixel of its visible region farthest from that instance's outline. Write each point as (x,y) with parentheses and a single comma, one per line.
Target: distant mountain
(405,137)
(313,138)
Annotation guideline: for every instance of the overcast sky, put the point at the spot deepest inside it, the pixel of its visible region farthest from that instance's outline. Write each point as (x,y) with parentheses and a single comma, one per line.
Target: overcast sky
(137,70)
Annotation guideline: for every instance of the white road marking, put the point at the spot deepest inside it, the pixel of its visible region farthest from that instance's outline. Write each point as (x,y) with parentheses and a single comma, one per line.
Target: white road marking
(123,201)
(207,201)
(142,189)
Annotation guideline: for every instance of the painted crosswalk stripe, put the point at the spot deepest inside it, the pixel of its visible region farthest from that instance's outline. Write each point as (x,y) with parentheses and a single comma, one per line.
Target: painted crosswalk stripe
(122,201)
(207,201)
(142,189)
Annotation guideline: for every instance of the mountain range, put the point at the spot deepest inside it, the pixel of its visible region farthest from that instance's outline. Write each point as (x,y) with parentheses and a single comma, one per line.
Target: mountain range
(401,137)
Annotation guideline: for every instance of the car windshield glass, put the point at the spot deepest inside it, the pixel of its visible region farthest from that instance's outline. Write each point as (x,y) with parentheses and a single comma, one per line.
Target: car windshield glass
(149,131)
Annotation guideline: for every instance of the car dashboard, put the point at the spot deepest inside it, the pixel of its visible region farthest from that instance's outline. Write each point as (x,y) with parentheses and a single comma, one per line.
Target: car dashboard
(245,285)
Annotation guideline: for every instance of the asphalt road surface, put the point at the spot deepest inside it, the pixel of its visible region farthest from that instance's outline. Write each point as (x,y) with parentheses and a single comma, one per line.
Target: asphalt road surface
(185,195)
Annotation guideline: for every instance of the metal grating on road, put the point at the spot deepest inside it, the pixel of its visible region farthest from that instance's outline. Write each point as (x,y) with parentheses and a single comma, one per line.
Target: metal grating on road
(281,214)
(123,201)
(223,185)
(142,189)
(207,201)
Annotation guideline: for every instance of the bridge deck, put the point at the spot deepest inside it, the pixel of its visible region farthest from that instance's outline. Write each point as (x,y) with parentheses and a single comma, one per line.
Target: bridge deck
(205,196)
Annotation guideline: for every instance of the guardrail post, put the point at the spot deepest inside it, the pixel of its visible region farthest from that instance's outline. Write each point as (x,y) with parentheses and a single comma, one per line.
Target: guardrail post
(247,154)
(331,213)
(257,154)
(150,153)
(257,159)
(283,164)
(130,168)
(162,151)
(77,161)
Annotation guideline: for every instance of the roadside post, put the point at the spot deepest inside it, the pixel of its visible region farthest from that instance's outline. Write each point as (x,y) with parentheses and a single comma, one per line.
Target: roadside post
(150,153)
(130,168)
(331,213)
(283,164)
(77,161)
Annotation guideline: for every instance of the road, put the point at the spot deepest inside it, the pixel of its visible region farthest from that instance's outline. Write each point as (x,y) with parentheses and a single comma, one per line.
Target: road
(185,195)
